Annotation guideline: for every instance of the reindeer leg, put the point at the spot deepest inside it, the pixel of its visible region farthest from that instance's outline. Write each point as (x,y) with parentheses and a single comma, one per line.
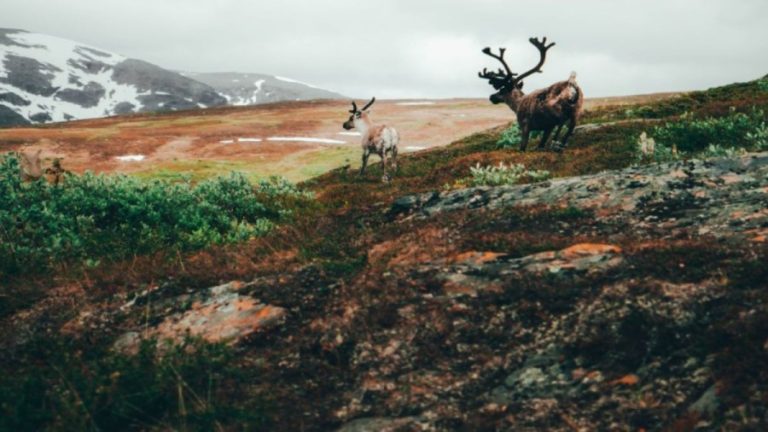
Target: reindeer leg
(366,153)
(557,133)
(394,158)
(544,139)
(383,156)
(555,143)
(571,127)
(525,132)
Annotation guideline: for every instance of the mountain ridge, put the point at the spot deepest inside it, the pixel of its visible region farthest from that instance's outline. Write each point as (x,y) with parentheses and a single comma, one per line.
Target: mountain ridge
(46,79)
(247,88)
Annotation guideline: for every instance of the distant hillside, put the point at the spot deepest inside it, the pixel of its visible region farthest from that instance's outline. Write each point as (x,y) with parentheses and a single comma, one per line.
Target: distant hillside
(46,79)
(255,88)
(623,293)
(49,79)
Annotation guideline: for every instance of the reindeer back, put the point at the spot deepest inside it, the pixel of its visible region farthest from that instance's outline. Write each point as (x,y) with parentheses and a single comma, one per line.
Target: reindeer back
(31,166)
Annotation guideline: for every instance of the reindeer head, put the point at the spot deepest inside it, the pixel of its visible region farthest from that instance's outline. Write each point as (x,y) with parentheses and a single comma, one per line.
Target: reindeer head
(31,168)
(508,84)
(357,114)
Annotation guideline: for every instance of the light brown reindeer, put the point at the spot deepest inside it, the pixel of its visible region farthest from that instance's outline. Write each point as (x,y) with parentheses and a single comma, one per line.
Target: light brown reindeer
(545,109)
(30,166)
(377,139)
(30,169)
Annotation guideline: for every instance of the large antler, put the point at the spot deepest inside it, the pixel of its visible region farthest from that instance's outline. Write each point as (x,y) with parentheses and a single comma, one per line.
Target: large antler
(542,46)
(487,51)
(497,79)
(501,77)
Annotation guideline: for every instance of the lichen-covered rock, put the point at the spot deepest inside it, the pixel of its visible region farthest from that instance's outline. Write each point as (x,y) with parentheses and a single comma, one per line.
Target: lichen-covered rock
(722,197)
(220,315)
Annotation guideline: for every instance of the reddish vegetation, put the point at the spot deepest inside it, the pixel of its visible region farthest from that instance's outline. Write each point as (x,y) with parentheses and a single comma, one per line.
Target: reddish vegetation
(93,144)
(196,135)
(610,311)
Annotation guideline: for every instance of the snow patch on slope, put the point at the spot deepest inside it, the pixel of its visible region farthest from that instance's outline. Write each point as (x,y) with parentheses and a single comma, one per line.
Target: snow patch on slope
(291,80)
(60,56)
(307,139)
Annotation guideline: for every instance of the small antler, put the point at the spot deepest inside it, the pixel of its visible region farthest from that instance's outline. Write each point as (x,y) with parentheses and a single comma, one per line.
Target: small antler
(354,108)
(373,99)
(542,46)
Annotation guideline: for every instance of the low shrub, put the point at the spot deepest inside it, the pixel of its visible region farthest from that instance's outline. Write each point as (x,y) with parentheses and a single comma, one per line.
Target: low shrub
(718,151)
(691,135)
(93,217)
(762,84)
(504,175)
(758,138)
(512,137)
(648,150)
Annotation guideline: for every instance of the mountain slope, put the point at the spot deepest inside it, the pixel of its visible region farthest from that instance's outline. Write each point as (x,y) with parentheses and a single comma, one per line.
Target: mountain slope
(254,88)
(619,295)
(45,78)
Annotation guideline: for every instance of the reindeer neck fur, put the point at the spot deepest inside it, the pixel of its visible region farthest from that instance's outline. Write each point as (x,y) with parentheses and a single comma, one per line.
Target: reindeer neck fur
(364,125)
(513,98)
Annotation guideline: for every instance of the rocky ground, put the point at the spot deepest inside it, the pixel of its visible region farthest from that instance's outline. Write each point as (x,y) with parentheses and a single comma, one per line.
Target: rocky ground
(639,305)
(613,296)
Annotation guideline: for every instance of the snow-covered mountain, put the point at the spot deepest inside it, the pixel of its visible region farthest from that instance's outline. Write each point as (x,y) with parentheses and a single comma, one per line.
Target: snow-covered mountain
(254,88)
(49,79)
(45,78)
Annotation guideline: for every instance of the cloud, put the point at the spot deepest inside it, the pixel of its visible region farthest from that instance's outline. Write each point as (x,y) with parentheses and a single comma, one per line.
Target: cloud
(425,48)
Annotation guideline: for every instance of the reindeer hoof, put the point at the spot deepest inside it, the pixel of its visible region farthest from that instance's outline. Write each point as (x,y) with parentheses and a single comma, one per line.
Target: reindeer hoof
(386,178)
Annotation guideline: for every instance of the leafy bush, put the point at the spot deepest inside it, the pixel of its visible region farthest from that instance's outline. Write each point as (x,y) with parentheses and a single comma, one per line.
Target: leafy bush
(718,151)
(92,217)
(692,135)
(510,138)
(504,175)
(60,386)
(643,111)
(758,138)
(648,150)
(762,83)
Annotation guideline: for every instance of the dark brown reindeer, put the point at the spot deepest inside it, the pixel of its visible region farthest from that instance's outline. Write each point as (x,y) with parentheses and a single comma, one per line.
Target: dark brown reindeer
(545,109)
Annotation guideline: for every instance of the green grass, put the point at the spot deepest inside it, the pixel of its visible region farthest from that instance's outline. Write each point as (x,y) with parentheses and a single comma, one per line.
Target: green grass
(195,386)
(294,167)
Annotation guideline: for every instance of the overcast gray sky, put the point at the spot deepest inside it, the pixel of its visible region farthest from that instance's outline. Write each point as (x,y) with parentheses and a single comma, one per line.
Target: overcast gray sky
(424,48)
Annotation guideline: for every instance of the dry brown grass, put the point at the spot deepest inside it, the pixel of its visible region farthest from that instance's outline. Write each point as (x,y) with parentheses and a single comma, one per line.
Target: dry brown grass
(189,141)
